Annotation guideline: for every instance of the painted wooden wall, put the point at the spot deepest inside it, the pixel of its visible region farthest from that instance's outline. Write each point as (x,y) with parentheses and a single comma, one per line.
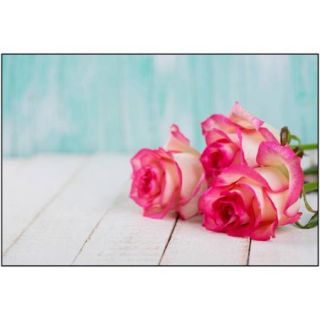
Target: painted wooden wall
(78,104)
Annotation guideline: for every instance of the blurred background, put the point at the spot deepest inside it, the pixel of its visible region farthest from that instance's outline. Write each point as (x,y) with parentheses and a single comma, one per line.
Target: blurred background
(121,103)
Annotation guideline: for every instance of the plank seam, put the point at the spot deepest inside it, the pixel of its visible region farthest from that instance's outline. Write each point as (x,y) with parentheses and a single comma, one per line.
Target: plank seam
(168,241)
(249,251)
(47,204)
(98,223)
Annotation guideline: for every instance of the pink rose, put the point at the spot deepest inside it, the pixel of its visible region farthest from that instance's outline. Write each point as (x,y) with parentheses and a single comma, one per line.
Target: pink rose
(233,140)
(252,202)
(168,179)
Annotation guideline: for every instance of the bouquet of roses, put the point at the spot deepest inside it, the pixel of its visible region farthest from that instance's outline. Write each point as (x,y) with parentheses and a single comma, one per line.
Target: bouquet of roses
(246,183)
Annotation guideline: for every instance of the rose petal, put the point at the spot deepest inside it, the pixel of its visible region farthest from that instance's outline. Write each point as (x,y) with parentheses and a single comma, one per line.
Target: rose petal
(191,208)
(155,211)
(218,121)
(235,173)
(216,135)
(269,133)
(285,216)
(273,154)
(268,215)
(192,178)
(164,184)
(243,118)
(276,179)
(218,156)
(178,142)
(172,182)
(250,144)
(144,157)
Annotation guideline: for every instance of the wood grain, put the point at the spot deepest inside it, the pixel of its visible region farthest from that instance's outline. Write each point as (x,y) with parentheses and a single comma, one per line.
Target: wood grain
(57,235)
(291,246)
(125,237)
(192,244)
(28,186)
(62,210)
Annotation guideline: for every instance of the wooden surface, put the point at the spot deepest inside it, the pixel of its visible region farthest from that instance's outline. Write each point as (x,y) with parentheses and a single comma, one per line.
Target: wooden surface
(75,210)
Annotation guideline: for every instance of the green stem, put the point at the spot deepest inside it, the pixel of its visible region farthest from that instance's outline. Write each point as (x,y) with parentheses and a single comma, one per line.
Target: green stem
(306,203)
(294,137)
(310,187)
(310,146)
(311,170)
(313,222)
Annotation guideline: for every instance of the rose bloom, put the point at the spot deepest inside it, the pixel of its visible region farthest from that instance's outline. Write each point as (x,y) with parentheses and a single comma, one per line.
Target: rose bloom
(252,202)
(233,140)
(169,178)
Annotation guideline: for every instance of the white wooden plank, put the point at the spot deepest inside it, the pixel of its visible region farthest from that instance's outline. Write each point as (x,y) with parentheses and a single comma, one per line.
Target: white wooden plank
(192,244)
(58,233)
(125,237)
(28,185)
(11,166)
(292,246)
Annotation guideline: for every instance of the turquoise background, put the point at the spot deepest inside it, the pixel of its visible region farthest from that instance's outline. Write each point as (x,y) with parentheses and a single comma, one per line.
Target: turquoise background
(93,103)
